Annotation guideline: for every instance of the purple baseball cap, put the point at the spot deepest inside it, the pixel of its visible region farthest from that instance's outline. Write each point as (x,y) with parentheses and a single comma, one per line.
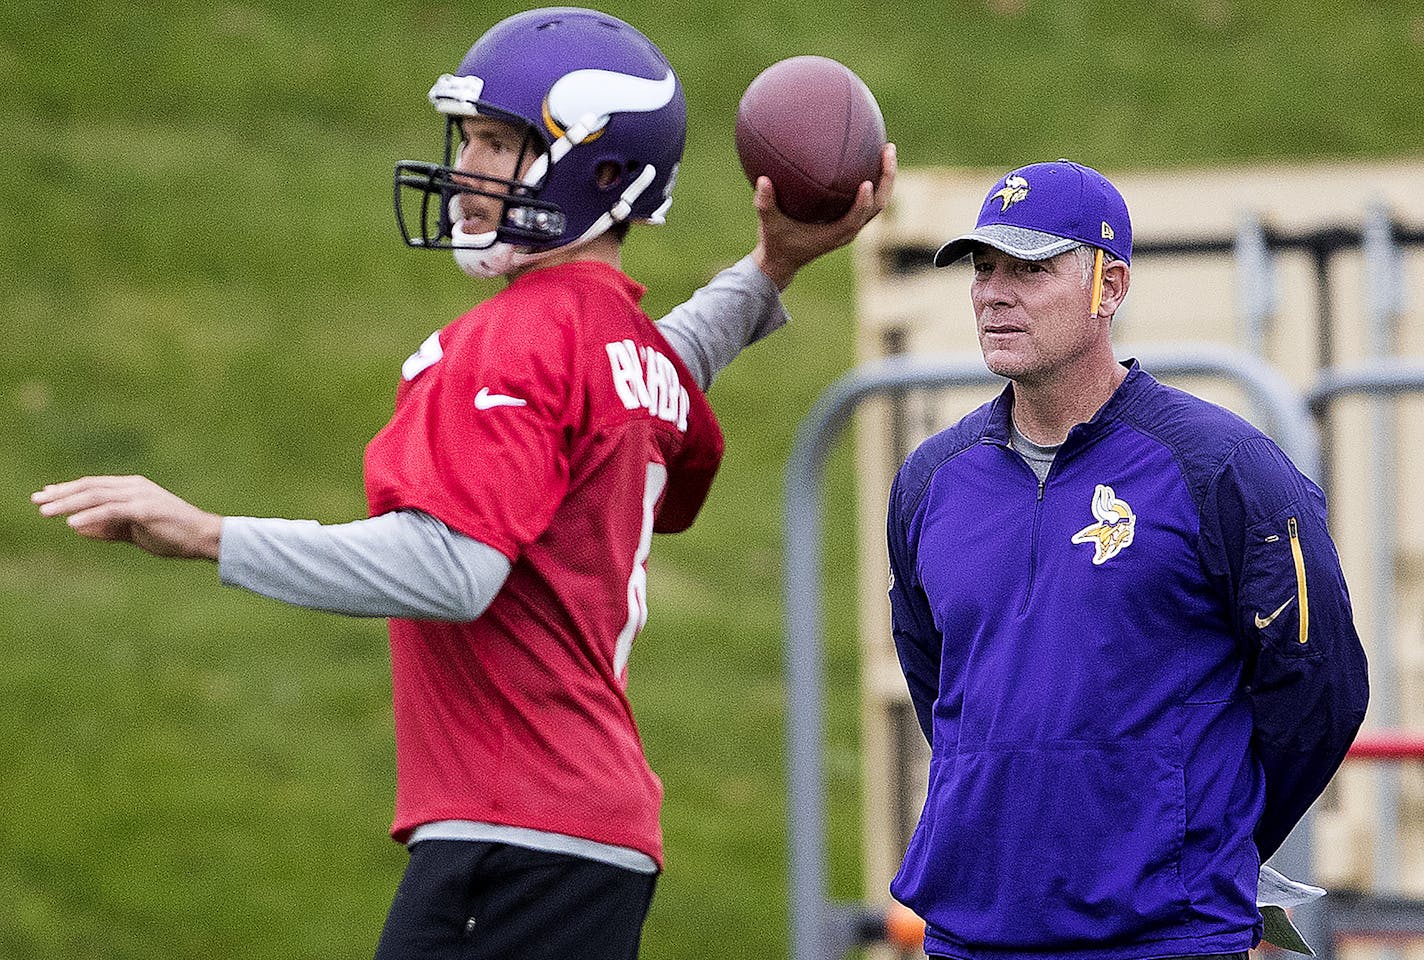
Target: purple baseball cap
(1045,209)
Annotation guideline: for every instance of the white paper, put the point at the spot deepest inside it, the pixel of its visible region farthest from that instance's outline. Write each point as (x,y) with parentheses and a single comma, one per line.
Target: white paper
(1275,894)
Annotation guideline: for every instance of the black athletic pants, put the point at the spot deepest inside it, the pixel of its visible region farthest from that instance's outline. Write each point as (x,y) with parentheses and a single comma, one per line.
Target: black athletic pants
(472,900)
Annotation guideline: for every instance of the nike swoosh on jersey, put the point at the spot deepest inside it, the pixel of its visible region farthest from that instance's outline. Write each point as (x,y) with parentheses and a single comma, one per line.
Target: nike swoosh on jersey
(484,400)
(1264,622)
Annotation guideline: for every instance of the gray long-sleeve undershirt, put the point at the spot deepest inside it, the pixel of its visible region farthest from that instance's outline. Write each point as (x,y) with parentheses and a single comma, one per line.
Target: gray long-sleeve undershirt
(737,307)
(400,564)
(410,564)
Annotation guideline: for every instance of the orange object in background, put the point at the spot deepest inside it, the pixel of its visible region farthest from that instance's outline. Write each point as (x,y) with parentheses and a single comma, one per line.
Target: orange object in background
(904,930)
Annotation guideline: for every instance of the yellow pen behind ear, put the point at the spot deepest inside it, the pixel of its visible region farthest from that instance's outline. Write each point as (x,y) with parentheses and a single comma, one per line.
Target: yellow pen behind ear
(1097,281)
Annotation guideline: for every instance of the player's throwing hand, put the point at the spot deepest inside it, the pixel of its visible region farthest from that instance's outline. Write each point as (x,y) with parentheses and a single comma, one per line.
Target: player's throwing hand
(134,509)
(785,245)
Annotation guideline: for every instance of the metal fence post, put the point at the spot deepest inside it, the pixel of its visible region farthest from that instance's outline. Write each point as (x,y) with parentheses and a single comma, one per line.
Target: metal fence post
(1383,299)
(1256,300)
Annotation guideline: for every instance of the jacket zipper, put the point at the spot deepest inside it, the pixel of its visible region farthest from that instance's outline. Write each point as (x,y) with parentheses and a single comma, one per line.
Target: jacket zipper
(1301,598)
(1033,547)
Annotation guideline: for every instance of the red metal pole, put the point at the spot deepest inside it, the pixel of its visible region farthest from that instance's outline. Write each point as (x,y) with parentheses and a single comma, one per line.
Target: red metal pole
(1388,745)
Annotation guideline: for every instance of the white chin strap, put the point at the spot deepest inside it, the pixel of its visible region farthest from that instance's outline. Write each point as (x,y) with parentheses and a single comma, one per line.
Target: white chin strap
(480,254)
(477,253)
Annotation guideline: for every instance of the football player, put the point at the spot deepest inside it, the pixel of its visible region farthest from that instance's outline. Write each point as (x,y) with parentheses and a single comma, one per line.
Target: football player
(537,443)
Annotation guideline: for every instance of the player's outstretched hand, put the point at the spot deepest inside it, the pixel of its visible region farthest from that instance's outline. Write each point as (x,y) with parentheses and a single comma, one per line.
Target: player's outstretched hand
(785,245)
(134,509)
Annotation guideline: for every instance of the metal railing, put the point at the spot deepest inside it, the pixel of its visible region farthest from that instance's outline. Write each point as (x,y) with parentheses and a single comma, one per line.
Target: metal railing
(1353,914)
(1352,917)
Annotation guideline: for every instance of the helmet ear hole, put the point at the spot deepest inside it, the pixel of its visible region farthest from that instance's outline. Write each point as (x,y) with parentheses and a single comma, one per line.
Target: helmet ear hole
(609,175)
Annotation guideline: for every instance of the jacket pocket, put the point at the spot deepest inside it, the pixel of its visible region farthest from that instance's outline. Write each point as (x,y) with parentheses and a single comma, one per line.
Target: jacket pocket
(1275,597)
(1301,594)
(1068,842)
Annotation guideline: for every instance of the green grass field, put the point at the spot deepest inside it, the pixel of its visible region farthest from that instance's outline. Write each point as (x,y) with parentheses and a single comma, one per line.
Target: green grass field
(202,282)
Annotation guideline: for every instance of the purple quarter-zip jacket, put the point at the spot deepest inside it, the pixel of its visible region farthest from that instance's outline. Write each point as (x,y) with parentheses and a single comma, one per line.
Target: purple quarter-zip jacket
(1134,676)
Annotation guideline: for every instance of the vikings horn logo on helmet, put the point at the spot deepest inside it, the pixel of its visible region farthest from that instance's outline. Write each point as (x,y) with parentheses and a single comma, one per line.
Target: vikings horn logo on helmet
(1116,524)
(602,93)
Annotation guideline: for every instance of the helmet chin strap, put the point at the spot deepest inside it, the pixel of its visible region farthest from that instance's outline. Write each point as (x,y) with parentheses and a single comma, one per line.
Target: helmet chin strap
(477,253)
(480,256)
(493,261)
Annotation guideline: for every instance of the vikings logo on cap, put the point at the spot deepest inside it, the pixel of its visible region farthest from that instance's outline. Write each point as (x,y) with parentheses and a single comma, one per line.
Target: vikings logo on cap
(1116,523)
(1015,189)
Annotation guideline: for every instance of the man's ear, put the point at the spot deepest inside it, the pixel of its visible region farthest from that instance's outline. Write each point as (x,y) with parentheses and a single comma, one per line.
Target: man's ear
(1116,278)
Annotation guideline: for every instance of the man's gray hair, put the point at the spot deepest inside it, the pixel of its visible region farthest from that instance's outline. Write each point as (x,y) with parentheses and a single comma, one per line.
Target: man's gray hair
(1086,255)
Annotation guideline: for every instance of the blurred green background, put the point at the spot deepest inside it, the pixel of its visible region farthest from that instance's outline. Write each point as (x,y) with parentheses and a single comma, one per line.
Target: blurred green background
(202,282)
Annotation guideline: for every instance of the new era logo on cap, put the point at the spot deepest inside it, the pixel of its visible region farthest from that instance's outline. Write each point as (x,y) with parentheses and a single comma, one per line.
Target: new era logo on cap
(1045,209)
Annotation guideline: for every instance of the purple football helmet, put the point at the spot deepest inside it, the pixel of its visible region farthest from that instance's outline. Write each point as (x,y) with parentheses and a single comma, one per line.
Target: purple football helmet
(597,103)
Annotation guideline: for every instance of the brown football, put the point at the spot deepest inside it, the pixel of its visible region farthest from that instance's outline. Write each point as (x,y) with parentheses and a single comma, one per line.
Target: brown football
(814,128)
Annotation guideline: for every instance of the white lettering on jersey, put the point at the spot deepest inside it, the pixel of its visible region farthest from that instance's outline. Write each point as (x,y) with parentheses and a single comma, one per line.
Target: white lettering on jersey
(646,378)
(627,374)
(429,354)
(638,581)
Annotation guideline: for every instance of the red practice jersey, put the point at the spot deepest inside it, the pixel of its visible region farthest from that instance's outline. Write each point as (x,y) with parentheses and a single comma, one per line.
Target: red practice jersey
(554,423)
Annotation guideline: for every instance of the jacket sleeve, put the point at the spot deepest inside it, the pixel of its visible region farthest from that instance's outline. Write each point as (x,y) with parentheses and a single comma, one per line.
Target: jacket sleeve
(1264,530)
(917,640)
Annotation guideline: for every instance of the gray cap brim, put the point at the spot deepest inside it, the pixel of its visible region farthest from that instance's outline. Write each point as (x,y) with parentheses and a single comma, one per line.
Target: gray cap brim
(1015,241)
